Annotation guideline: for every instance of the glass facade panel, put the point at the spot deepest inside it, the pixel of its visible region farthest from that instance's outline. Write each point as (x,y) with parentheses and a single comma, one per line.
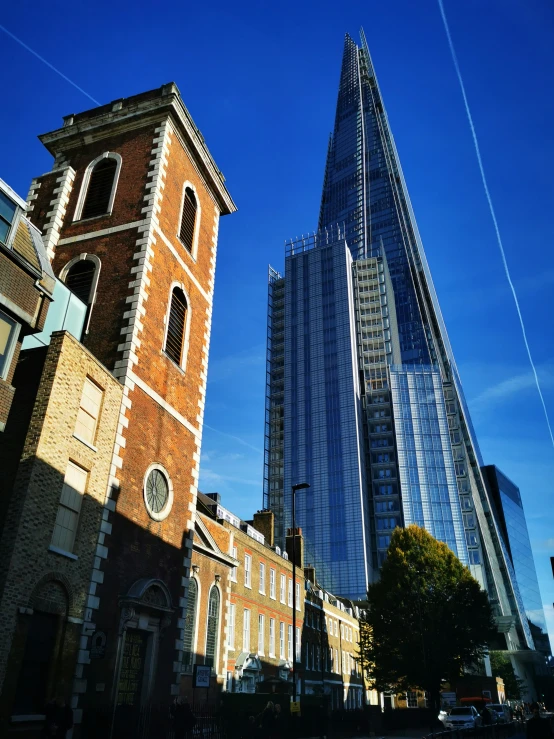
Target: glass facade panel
(426,467)
(66,313)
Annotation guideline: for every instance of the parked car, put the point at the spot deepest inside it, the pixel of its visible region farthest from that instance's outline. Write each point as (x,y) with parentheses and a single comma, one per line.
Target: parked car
(502,712)
(463,717)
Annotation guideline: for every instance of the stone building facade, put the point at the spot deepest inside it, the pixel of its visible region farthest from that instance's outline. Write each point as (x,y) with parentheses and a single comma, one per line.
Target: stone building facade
(254,622)
(45,584)
(331,657)
(130,217)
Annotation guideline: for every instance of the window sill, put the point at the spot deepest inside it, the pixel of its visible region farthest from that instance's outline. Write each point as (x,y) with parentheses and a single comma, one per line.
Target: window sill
(92,218)
(63,552)
(248,586)
(86,443)
(28,717)
(185,247)
(173,362)
(261,592)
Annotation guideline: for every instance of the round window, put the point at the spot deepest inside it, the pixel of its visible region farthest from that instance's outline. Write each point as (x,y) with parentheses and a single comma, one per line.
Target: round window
(158,492)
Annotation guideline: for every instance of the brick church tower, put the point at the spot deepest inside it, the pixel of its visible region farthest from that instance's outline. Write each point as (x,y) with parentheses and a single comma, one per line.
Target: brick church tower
(130,215)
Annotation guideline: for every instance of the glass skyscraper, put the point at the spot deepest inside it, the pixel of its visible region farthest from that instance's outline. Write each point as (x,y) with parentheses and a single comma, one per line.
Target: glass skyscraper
(508,509)
(364,401)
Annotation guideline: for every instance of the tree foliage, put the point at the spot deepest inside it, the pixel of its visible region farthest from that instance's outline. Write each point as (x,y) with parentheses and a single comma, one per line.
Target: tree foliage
(502,667)
(427,619)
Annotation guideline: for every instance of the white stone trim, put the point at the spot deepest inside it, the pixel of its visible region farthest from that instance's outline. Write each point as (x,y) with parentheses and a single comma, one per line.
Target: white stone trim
(102,232)
(58,209)
(86,180)
(32,194)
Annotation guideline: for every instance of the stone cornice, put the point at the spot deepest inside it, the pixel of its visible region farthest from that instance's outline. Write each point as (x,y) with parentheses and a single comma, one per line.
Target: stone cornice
(137,112)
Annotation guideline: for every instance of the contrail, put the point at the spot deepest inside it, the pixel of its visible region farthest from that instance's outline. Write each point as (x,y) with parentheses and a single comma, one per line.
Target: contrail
(493,214)
(38,56)
(236,438)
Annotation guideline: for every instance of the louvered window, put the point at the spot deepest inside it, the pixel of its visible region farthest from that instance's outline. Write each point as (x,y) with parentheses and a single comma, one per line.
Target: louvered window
(188,219)
(176,325)
(213,621)
(190,626)
(99,189)
(79,279)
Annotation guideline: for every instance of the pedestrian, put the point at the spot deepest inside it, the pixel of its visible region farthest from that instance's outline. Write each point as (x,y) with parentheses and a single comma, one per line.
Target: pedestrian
(266,720)
(537,727)
(278,722)
(58,719)
(486,716)
(183,718)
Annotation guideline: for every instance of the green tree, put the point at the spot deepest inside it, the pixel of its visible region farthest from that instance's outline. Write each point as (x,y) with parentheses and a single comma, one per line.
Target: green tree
(502,667)
(427,618)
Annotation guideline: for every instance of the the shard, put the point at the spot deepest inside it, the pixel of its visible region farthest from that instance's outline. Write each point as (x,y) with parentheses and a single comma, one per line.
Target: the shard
(364,400)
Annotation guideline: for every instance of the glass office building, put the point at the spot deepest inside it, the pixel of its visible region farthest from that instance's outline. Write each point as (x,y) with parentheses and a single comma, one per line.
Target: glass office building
(364,401)
(511,519)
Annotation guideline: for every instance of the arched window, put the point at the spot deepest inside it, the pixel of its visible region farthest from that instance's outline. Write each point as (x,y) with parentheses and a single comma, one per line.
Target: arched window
(213,627)
(176,323)
(99,199)
(79,279)
(190,625)
(188,219)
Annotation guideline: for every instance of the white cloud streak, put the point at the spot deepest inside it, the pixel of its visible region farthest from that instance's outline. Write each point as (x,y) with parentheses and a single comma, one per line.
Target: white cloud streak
(235,438)
(51,66)
(493,214)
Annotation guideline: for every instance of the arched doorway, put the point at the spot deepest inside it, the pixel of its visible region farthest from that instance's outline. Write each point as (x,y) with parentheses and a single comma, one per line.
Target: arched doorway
(146,612)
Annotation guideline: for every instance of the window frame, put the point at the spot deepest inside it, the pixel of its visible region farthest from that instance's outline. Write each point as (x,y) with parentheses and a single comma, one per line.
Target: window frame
(217,629)
(77,511)
(261,634)
(194,623)
(272,637)
(166,510)
(232,623)
(20,208)
(93,285)
(261,589)
(247,570)
(11,344)
(77,216)
(246,629)
(182,365)
(96,418)
(193,253)
(272,583)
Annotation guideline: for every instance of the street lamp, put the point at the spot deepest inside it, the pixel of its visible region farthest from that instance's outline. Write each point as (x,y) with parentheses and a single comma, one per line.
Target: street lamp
(299,486)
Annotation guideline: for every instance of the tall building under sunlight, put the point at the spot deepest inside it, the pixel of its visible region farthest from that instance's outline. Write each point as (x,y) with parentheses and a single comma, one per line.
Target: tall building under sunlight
(364,401)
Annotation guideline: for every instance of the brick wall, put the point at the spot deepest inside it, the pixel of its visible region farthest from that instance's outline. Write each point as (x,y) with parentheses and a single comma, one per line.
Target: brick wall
(27,534)
(160,417)
(19,287)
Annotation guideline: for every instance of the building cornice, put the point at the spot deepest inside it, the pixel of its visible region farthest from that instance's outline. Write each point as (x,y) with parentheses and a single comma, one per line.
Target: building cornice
(137,112)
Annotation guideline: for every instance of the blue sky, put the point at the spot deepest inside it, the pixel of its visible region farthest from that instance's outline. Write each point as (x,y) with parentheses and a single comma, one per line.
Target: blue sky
(261,80)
